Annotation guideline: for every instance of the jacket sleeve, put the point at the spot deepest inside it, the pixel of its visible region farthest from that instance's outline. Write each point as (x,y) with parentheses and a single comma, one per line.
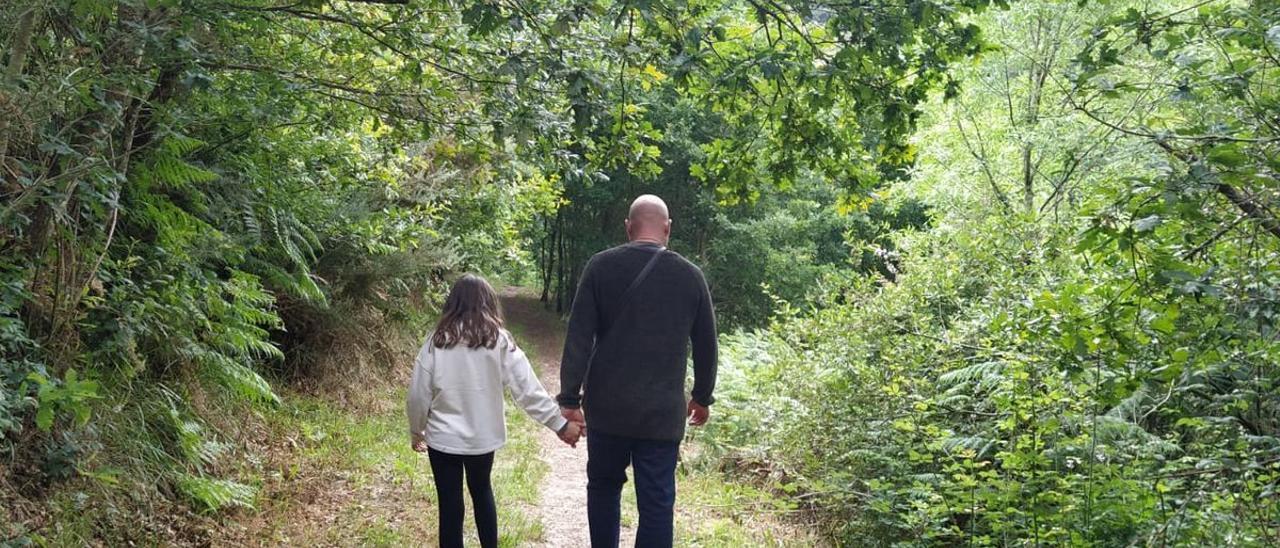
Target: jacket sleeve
(420,392)
(579,341)
(705,348)
(522,383)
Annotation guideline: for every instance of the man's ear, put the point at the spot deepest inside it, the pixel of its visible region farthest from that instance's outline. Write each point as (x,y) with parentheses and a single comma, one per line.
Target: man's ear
(626,223)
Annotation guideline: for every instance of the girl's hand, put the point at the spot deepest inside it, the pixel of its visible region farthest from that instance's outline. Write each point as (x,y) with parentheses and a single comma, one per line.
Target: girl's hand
(420,446)
(570,434)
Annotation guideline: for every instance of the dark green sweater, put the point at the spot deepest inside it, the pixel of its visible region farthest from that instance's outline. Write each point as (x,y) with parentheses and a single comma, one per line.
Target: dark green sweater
(636,384)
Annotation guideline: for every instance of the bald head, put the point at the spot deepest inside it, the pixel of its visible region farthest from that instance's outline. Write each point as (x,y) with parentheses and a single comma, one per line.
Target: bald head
(649,220)
(648,209)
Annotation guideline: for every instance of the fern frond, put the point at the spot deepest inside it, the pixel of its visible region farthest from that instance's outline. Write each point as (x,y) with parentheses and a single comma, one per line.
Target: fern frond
(310,290)
(247,289)
(211,494)
(176,229)
(310,239)
(980,445)
(983,374)
(180,145)
(252,226)
(243,381)
(1130,408)
(192,443)
(300,285)
(166,168)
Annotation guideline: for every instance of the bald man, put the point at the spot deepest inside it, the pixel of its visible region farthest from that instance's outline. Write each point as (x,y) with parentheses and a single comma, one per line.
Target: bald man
(638,309)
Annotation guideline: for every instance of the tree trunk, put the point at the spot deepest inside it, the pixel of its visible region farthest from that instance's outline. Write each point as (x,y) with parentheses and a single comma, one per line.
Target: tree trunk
(17,61)
(544,260)
(560,261)
(1028,181)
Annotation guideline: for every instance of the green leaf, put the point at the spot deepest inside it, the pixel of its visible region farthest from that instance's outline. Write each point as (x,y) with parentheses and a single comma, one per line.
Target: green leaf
(44,417)
(1229,155)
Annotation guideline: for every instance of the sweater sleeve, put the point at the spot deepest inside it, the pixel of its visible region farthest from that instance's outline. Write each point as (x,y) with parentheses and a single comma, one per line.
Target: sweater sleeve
(705,348)
(579,341)
(527,391)
(420,392)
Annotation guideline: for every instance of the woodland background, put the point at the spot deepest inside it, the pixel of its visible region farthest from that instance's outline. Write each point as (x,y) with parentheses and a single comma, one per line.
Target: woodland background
(989,273)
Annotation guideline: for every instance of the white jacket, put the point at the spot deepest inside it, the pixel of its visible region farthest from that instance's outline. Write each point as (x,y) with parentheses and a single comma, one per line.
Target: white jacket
(455,397)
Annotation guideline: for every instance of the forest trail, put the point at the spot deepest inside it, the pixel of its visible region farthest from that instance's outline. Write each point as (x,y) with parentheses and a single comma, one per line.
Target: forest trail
(711,510)
(563,503)
(342,474)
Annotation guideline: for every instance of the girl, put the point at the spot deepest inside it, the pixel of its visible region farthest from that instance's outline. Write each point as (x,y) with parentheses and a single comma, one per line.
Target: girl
(455,404)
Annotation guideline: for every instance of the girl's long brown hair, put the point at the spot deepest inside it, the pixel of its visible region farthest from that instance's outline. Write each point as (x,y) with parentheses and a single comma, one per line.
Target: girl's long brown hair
(471,315)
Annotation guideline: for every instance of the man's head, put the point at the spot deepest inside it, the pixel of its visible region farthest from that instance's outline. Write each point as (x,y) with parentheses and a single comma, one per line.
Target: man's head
(648,220)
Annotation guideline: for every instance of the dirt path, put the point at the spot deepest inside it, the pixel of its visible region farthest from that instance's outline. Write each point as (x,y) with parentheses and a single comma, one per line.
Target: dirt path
(344,475)
(563,508)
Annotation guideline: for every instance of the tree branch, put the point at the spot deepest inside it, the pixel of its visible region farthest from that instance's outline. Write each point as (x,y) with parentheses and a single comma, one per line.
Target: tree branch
(981,157)
(1216,236)
(1250,207)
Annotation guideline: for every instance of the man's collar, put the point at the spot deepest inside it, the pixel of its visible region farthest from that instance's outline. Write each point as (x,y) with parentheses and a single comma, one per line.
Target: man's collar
(646,243)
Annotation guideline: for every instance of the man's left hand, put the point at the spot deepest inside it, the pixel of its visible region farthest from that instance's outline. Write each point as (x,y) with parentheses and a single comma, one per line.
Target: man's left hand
(698,413)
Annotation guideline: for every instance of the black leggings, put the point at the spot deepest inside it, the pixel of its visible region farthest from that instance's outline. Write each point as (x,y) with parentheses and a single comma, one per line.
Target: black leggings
(447,470)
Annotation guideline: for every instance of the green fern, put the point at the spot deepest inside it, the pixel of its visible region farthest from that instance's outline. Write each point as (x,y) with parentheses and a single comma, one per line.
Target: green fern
(300,285)
(981,446)
(195,448)
(1130,408)
(223,330)
(166,167)
(309,289)
(980,376)
(180,145)
(212,495)
(299,243)
(241,380)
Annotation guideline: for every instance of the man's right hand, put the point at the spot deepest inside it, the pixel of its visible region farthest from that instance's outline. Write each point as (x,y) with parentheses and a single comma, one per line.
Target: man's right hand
(698,413)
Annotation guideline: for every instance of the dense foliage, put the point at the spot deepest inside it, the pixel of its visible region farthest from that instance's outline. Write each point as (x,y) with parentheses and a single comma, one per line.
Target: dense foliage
(1083,350)
(1010,286)
(202,196)
(714,104)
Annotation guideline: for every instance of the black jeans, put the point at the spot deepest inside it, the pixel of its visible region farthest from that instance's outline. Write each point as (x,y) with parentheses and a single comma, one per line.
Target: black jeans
(654,465)
(448,471)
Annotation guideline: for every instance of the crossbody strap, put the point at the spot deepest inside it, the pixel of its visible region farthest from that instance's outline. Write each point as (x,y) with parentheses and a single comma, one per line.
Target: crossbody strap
(639,279)
(624,303)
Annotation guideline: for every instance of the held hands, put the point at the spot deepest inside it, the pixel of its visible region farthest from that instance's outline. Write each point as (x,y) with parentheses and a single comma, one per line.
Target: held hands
(576,427)
(570,434)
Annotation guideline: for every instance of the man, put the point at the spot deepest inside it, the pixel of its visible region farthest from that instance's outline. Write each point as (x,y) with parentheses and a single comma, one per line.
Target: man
(624,362)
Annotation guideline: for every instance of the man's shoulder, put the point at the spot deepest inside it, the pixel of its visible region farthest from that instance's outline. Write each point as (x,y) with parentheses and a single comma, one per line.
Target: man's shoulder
(618,252)
(604,258)
(685,262)
(609,253)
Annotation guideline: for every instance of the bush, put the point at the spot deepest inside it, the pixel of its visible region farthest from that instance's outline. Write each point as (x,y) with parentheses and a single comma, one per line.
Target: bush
(982,400)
